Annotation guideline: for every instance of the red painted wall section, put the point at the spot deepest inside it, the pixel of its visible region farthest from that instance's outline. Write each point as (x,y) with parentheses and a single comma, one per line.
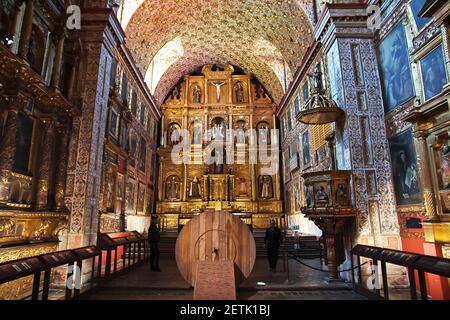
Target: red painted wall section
(438,287)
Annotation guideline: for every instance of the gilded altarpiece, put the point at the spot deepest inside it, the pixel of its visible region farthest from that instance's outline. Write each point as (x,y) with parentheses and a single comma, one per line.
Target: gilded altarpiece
(199,110)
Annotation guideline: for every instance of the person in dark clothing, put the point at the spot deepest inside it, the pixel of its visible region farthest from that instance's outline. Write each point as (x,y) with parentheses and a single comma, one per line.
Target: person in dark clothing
(153,239)
(272,241)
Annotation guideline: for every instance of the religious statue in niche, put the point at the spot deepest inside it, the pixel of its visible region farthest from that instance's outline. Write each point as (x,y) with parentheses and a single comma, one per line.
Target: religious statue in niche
(194,190)
(176,93)
(218,130)
(260,92)
(196,94)
(174,134)
(265,187)
(173,188)
(219,159)
(242,187)
(264,133)
(321,196)
(218,86)
(241,132)
(239,92)
(197,133)
(342,198)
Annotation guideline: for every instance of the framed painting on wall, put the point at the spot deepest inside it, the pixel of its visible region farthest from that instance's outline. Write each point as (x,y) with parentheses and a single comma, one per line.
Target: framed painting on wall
(23,143)
(416,6)
(404,169)
(434,76)
(395,70)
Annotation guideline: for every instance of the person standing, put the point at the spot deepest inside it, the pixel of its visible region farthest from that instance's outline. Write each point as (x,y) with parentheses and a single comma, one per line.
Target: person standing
(153,239)
(272,241)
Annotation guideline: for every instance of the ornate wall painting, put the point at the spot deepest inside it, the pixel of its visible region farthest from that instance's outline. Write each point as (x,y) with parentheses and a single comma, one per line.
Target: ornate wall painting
(130,197)
(114,124)
(305,92)
(395,71)
(142,155)
(141,199)
(306,149)
(404,169)
(433,72)
(442,156)
(23,143)
(416,6)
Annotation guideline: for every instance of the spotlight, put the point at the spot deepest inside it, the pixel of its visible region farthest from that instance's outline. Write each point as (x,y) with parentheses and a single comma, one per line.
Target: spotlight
(8,40)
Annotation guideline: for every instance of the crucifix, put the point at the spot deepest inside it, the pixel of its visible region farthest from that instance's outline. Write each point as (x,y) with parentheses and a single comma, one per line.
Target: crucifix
(218,85)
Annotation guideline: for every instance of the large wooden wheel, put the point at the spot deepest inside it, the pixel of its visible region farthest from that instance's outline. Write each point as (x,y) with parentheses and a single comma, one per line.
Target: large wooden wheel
(215,236)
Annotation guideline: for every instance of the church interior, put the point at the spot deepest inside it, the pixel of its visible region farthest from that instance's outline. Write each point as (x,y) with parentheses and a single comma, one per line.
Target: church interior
(216,122)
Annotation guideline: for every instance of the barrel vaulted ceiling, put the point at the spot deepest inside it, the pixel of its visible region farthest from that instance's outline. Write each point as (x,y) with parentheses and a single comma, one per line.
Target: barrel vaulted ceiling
(266,38)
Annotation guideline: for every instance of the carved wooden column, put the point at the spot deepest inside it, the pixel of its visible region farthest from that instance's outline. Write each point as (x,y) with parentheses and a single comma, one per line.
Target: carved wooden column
(427,185)
(84,176)
(61,166)
(46,161)
(56,74)
(26,29)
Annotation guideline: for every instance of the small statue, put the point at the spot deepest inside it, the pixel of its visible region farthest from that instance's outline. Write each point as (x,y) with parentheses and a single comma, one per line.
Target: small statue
(196,94)
(194,191)
(242,187)
(239,91)
(265,185)
(321,196)
(172,190)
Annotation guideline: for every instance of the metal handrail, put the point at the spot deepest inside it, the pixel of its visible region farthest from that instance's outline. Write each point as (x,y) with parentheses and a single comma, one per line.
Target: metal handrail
(415,263)
(75,260)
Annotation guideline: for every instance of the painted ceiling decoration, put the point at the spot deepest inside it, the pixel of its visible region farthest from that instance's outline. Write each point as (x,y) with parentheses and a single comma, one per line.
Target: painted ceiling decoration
(170,38)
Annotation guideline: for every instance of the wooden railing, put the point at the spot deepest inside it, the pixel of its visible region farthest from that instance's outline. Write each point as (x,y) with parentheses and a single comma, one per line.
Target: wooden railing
(417,266)
(74,261)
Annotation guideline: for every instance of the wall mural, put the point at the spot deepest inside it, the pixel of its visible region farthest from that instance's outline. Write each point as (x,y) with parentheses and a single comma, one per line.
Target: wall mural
(395,69)
(404,169)
(306,148)
(434,76)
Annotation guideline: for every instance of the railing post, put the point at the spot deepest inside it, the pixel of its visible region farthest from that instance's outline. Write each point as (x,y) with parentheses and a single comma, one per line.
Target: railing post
(353,270)
(115,259)
(46,287)
(68,294)
(108,263)
(385,282)
(79,269)
(36,283)
(93,272)
(412,283)
(423,285)
(129,254)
